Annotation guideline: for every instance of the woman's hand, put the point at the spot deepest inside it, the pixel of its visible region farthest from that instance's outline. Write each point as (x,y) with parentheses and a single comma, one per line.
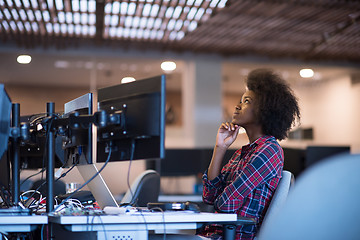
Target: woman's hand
(226,135)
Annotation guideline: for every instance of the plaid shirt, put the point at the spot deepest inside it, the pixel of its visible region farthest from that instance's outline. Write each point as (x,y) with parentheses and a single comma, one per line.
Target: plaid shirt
(245,185)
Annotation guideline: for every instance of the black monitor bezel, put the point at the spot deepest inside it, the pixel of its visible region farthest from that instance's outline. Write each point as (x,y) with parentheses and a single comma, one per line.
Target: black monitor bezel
(150,89)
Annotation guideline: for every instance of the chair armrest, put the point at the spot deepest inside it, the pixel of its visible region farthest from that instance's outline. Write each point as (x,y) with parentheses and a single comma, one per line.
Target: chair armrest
(229,228)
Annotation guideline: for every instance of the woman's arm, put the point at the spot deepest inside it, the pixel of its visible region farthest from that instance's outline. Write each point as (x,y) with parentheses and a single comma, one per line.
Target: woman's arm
(263,165)
(226,135)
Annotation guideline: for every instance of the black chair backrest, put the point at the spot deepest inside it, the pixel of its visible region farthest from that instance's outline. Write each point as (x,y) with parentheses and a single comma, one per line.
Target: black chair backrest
(148,190)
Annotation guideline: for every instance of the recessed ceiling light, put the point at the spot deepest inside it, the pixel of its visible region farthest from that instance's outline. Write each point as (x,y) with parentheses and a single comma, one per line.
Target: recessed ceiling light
(168,66)
(23,59)
(306,73)
(127,79)
(61,64)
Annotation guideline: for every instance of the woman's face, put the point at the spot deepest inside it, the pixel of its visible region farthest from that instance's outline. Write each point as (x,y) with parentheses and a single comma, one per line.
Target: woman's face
(245,111)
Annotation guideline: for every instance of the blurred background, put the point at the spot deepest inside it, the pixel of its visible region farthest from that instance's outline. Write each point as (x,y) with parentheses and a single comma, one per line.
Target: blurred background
(78,46)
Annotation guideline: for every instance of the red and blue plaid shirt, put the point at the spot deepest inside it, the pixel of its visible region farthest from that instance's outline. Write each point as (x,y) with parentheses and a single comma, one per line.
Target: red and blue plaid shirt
(245,185)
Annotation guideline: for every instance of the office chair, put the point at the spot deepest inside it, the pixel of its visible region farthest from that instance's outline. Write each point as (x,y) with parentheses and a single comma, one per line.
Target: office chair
(281,193)
(144,189)
(323,204)
(59,187)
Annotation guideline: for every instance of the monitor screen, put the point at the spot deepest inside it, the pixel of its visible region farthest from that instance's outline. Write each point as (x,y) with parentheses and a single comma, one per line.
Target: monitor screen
(294,160)
(4,172)
(143,134)
(181,162)
(5,114)
(315,154)
(186,161)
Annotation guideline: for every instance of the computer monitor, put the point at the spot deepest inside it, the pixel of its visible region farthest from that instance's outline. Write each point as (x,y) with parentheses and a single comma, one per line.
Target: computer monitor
(5,114)
(181,162)
(5,118)
(33,153)
(142,136)
(73,144)
(294,160)
(186,161)
(315,154)
(4,172)
(78,143)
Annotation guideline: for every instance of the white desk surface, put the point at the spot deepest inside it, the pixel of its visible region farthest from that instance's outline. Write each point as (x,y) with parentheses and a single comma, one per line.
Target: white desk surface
(138,221)
(147,217)
(13,223)
(180,198)
(137,225)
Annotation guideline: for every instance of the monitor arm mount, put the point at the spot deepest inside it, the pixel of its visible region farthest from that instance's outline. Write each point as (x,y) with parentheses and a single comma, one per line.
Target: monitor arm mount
(18,133)
(63,126)
(100,119)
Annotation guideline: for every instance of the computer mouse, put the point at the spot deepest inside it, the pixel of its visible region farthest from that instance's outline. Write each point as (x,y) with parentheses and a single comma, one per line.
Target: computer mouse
(192,207)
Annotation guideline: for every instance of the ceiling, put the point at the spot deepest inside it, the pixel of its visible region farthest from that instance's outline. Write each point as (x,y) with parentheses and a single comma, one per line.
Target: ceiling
(309,33)
(307,30)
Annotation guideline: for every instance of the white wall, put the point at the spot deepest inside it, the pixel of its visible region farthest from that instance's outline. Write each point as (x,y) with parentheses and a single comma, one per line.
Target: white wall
(332,108)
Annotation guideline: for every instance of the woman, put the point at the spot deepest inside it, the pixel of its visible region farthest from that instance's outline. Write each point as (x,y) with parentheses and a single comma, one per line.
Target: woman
(245,185)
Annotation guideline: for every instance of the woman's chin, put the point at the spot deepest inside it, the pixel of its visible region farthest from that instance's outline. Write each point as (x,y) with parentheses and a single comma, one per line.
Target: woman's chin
(233,121)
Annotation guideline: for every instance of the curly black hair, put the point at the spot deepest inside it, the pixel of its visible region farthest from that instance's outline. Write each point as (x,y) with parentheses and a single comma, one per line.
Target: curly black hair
(278,107)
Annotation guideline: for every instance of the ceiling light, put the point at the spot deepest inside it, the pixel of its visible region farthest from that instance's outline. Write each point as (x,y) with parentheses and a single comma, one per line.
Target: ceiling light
(168,66)
(61,64)
(146,10)
(23,59)
(131,8)
(177,12)
(59,5)
(83,6)
(127,79)
(75,6)
(115,7)
(154,10)
(306,73)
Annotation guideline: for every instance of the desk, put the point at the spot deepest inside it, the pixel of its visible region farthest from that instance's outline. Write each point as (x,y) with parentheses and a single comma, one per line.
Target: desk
(12,223)
(136,225)
(180,198)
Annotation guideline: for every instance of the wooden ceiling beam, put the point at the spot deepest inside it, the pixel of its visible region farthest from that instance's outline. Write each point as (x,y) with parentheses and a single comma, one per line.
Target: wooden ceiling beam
(99,25)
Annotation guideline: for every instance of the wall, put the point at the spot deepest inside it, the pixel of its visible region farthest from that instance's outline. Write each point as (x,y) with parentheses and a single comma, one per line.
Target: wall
(33,99)
(331,108)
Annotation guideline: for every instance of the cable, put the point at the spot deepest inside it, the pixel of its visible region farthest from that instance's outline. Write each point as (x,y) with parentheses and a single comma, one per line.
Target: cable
(95,175)
(43,183)
(133,201)
(42,170)
(163,218)
(4,235)
(42,232)
(44,154)
(102,224)
(65,173)
(128,173)
(33,193)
